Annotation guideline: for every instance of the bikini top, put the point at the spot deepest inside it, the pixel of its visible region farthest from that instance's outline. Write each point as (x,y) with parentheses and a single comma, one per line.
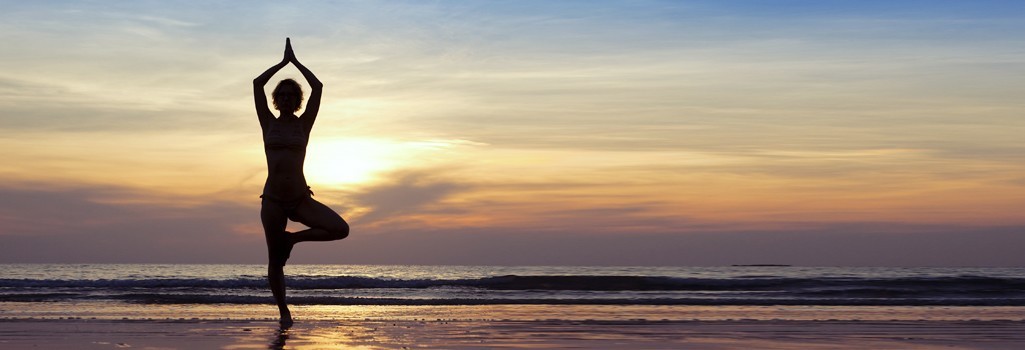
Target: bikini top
(289,136)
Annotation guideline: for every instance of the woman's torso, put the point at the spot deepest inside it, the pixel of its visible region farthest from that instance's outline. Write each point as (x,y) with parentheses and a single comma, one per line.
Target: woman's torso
(284,143)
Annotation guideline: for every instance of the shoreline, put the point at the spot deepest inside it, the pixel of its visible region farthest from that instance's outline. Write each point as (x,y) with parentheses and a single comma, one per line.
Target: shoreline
(112,310)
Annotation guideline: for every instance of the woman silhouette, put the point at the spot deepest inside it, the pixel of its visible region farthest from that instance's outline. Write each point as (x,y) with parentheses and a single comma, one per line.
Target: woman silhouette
(286,194)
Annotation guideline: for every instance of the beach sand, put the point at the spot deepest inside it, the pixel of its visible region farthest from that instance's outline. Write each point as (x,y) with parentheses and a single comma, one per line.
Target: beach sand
(99,325)
(484,334)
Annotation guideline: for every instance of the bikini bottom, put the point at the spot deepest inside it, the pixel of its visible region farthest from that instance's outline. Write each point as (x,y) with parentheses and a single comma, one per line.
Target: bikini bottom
(288,205)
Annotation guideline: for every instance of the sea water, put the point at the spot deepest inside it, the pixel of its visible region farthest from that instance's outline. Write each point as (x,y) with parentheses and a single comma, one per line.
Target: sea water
(109,290)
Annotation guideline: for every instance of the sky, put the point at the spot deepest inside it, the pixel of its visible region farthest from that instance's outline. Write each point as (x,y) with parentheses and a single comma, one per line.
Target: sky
(818,133)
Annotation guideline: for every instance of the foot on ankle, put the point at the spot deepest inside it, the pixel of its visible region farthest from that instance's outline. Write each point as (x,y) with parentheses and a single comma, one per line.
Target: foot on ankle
(283,250)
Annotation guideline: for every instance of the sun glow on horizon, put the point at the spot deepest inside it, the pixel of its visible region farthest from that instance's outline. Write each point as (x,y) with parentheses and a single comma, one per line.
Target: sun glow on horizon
(349,161)
(345,161)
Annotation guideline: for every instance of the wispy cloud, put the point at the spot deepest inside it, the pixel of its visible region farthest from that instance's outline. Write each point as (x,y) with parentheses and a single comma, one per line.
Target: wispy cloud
(402,198)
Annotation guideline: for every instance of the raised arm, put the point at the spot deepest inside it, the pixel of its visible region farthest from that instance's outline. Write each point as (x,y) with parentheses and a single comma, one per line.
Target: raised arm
(313,104)
(259,96)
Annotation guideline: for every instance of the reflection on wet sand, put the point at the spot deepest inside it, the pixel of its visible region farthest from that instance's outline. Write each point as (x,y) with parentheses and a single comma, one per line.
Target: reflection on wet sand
(280,338)
(542,327)
(594,334)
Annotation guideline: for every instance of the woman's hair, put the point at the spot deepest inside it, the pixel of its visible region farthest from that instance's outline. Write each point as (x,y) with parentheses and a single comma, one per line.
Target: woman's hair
(298,93)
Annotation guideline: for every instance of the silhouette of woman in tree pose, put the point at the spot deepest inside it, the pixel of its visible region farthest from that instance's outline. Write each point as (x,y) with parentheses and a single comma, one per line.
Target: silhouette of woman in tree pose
(286,194)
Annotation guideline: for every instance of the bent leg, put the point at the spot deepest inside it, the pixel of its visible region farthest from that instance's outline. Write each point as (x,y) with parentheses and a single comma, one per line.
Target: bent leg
(324,223)
(278,247)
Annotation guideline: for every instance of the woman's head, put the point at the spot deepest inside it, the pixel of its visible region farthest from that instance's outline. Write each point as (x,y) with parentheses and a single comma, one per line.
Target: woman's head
(288,96)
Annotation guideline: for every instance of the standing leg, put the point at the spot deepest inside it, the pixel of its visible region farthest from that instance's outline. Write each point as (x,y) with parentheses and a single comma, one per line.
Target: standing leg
(324,223)
(278,248)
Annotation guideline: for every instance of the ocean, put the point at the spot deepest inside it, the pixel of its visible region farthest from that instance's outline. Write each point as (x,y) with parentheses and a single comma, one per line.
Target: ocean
(486,285)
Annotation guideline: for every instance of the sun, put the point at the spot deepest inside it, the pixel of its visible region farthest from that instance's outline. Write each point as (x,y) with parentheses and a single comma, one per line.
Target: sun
(348,161)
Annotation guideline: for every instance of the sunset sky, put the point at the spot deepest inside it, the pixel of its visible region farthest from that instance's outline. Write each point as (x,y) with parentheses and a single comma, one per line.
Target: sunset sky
(524,132)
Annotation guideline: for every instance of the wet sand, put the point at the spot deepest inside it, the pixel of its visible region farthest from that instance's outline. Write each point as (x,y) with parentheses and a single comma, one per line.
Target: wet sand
(104,325)
(508,334)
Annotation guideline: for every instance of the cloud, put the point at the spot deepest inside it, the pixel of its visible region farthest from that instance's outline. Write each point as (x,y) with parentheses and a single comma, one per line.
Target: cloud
(858,244)
(82,225)
(405,193)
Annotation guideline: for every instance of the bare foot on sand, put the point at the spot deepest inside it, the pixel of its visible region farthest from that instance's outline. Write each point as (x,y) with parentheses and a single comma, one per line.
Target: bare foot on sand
(286,319)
